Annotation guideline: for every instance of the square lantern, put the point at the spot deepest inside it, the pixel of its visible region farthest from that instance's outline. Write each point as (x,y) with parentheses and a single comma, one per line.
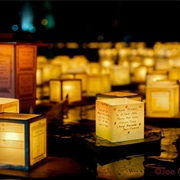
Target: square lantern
(120,75)
(98,84)
(60,88)
(76,75)
(23,140)
(119,119)
(162,98)
(119,94)
(9,105)
(18,72)
(155,76)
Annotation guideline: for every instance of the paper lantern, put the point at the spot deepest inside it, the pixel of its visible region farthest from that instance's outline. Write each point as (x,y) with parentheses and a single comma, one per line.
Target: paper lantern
(162,64)
(148,61)
(9,105)
(77,75)
(23,140)
(119,75)
(63,61)
(78,63)
(93,68)
(119,94)
(156,75)
(50,71)
(139,75)
(18,62)
(119,119)
(60,88)
(174,74)
(136,62)
(162,99)
(39,76)
(98,84)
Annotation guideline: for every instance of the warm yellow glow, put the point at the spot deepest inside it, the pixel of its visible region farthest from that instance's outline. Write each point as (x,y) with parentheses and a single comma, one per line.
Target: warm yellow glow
(12,140)
(73,89)
(148,62)
(51,71)
(9,105)
(67,87)
(41,60)
(106,45)
(12,136)
(119,94)
(38,149)
(119,75)
(174,74)
(78,63)
(67,76)
(120,45)
(140,74)
(156,75)
(55,91)
(93,68)
(59,89)
(83,77)
(39,76)
(134,64)
(119,119)
(124,63)
(162,64)
(106,62)
(93,45)
(98,84)
(72,45)
(77,75)
(162,98)
(63,61)
(124,51)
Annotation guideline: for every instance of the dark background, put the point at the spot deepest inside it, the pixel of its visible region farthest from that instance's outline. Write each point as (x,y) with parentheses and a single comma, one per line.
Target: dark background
(85,21)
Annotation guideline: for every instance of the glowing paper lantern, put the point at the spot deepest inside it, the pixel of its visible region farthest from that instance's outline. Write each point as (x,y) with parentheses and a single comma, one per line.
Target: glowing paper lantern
(148,61)
(9,105)
(120,75)
(50,71)
(23,140)
(162,99)
(77,75)
(98,84)
(63,61)
(119,119)
(139,74)
(18,62)
(155,76)
(174,74)
(60,88)
(93,68)
(162,64)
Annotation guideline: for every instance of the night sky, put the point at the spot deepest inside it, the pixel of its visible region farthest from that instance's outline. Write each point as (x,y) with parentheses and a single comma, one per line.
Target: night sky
(84,21)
